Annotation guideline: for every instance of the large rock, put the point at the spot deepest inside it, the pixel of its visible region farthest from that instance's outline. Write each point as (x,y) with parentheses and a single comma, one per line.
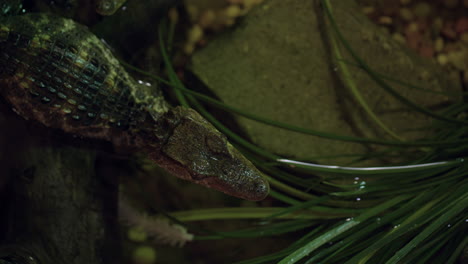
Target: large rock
(277,63)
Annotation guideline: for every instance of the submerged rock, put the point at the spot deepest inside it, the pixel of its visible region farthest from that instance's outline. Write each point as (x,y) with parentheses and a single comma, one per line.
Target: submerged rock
(277,63)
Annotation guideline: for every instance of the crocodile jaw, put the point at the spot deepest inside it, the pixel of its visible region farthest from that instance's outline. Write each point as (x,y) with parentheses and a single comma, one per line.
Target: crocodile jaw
(197,152)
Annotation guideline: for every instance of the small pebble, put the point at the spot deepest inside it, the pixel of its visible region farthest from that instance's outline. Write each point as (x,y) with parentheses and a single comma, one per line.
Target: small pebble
(422,9)
(412,27)
(385,20)
(189,48)
(399,38)
(464,37)
(439,44)
(248,4)
(192,11)
(442,59)
(230,22)
(232,11)
(173,15)
(368,10)
(424,75)
(419,24)
(207,18)
(194,34)
(406,14)
(458,59)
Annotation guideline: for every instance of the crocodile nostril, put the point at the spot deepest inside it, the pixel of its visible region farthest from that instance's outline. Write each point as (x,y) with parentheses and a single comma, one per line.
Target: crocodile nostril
(260,188)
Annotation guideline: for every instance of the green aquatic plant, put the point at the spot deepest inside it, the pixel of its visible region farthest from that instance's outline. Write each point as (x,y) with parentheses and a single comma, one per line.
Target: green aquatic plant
(412,212)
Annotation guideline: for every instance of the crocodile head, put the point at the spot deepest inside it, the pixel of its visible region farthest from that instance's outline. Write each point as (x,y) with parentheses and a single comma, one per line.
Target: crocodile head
(197,152)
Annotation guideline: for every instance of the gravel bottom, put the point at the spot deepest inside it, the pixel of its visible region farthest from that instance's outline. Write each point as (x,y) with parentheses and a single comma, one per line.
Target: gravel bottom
(434,29)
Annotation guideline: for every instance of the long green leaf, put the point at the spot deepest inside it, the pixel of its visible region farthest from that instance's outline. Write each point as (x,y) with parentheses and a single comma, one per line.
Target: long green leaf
(334,232)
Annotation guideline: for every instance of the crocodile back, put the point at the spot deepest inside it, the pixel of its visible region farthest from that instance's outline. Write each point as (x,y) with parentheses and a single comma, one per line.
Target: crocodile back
(55,71)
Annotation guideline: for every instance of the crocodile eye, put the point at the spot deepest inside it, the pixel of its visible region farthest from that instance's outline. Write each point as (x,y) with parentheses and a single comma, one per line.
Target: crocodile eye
(217,144)
(105,6)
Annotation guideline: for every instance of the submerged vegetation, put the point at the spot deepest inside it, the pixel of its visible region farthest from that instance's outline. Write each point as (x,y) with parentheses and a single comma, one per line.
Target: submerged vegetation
(411,212)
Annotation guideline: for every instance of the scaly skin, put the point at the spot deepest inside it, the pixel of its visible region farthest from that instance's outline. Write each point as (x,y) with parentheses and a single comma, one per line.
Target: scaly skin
(54,71)
(10,7)
(108,7)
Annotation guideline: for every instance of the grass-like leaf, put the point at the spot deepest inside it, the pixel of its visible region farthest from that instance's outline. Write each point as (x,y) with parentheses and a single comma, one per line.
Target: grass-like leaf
(409,212)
